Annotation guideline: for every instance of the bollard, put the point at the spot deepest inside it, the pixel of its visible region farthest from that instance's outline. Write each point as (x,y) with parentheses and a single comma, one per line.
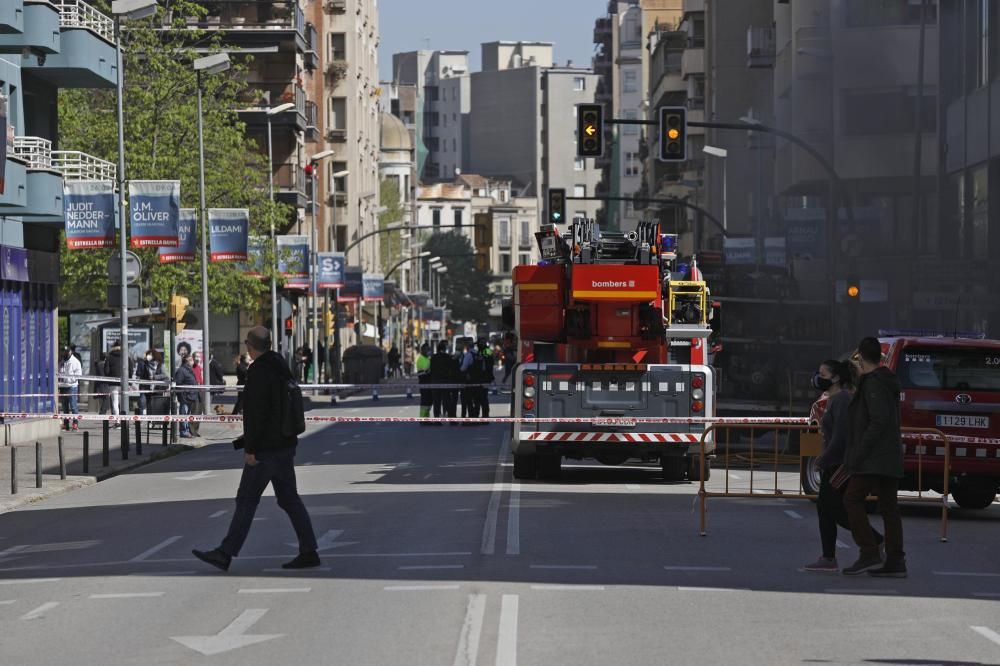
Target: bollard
(13,470)
(138,438)
(165,432)
(125,442)
(38,464)
(374,394)
(62,459)
(409,392)
(173,412)
(86,452)
(106,446)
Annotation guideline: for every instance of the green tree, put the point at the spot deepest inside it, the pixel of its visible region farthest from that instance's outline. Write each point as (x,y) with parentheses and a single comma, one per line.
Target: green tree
(161,142)
(390,244)
(465,289)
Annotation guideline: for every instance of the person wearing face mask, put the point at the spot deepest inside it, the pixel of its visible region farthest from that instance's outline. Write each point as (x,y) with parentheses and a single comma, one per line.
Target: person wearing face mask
(834,380)
(148,368)
(199,376)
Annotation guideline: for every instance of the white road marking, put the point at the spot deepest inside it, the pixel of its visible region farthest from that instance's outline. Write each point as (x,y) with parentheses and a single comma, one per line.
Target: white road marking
(259,518)
(273,590)
(26,581)
(986,594)
(343,444)
(428,567)
(40,611)
(295,571)
(8,602)
(488,546)
(841,544)
(735,477)
(355,410)
(426,476)
(514,520)
(507,635)
(164,573)
(49,547)
(326,541)
(631,486)
(587,567)
(972,574)
(155,549)
(848,590)
(204,474)
(682,568)
(327,453)
(126,595)
(231,637)
(573,588)
(793,514)
(358,436)
(418,588)
(219,513)
(987,633)
(712,589)
(472,629)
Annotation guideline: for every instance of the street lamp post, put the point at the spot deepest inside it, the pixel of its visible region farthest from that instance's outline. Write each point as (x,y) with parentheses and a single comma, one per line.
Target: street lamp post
(213,64)
(130,9)
(313,268)
(281,108)
(336,292)
(721,153)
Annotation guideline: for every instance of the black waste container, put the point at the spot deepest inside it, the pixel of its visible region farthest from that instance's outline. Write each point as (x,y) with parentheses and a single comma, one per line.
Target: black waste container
(364,364)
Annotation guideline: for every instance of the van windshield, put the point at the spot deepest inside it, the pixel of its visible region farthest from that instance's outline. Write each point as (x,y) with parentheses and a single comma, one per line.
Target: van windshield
(950,369)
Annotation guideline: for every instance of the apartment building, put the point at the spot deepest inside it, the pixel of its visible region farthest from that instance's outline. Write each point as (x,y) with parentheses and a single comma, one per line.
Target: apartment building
(441,109)
(523,123)
(44,46)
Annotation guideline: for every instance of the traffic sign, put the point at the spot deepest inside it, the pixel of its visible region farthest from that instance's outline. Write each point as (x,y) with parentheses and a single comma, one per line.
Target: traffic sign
(133,267)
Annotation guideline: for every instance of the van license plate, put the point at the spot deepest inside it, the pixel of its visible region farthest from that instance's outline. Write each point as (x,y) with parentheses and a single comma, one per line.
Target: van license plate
(616,422)
(961,421)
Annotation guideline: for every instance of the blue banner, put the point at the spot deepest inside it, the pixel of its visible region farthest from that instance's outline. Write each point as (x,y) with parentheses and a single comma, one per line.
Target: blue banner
(740,251)
(329,270)
(373,286)
(89,209)
(228,230)
(3,142)
(353,287)
(154,209)
(293,261)
(187,239)
(257,250)
(13,264)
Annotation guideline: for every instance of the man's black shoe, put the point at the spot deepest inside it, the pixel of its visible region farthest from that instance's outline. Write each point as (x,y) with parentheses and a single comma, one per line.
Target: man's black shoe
(889,570)
(303,561)
(862,565)
(215,557)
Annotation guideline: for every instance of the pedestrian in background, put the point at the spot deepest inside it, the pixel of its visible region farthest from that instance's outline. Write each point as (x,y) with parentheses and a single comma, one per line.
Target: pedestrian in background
(469,391)
(407,359)
(184,376)
(103,389)
(150,369)
(70,371)
(834,380)
(424,377)
(113,368)
(269,459)
(874,461)
(444,370)
(198,407)
(393,357)
(242,366)
(509,355)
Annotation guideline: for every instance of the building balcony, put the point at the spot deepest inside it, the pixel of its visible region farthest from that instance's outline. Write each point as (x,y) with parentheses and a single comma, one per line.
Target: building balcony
(86,57)
(692,62)
(290,185)
(44,201)
(693,7)
(761,47)
(15,193)
(334,6)
(312,122)
(503,242)
(11,16)
(39,30)
(262,96)
(339,199)
(255,24)
(336,134)
(76,166)
(602,30)
(311,58)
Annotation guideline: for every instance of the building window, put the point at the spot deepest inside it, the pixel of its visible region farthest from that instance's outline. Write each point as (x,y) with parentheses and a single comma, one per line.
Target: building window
(436,217)
(339,183)
(631,164)
(579,83)
(458,216)
(579,190)
(338,49)
(630,130)
(892,112)
(338,113)
(503,232)
(866,13)
(630,81)
(523,259)
(579,164)
(505,263)
(431,93)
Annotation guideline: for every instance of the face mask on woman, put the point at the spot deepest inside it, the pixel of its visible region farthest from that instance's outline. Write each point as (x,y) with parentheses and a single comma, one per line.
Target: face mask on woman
(821,383)
(149,357)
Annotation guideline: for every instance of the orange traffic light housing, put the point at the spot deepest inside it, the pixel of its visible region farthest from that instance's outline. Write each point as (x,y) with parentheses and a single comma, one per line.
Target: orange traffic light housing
(673,133)
(589,130)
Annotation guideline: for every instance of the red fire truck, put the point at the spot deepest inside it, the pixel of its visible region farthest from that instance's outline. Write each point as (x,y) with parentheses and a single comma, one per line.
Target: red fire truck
(609,332)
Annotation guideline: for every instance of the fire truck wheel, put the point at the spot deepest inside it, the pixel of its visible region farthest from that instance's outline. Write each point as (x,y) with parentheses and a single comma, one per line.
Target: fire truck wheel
(810,475)
(694,468)
(974,493)
(549,467)
(525,467)
(673,468)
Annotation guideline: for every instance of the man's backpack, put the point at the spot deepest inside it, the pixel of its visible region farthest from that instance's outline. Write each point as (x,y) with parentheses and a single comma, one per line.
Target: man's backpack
(293,413)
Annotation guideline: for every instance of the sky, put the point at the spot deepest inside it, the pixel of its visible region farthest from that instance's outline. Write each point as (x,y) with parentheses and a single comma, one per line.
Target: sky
(462,25)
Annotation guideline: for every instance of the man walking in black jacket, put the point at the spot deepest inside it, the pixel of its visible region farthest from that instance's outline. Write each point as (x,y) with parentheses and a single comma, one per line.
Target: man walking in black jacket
(874,460)
(269,458)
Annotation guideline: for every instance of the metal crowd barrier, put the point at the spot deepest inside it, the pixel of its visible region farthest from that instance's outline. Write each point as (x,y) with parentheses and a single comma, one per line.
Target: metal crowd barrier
(810,446)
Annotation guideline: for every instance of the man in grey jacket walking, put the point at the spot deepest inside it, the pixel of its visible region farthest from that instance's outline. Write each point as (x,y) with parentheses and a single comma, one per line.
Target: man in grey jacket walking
(874,461)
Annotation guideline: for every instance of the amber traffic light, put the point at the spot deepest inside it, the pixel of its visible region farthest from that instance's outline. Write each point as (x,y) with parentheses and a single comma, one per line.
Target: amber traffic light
(589,130)
(673,133)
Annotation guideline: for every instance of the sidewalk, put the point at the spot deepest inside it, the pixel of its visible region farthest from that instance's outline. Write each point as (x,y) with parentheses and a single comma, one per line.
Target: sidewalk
(152,450)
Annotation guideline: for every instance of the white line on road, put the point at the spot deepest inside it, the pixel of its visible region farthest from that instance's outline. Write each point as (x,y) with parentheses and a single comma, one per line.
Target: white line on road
(26,581)
(793,514)
(507,636)
(164,573)
(296,571)
(472,628)
(587,567)
(683,568)
(40,611)
(343,444)
(418,588)
(430,567)
(631,486)
(849,590)
(986,594)
(328,453)
(155,549)
(574,588)
(219,513)
(712,589)
(126,595)
(8,602)
(735,477)
(841,544)
(204,474)
(971,574)
(514,520)
(987,633)
(274,590)
(489,542)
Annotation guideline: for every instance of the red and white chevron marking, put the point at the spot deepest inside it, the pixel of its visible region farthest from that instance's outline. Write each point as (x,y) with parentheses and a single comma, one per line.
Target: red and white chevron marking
(981,452)
(635,437)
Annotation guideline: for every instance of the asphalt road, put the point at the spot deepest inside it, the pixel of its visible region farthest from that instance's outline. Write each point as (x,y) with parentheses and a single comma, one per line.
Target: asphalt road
(432,554)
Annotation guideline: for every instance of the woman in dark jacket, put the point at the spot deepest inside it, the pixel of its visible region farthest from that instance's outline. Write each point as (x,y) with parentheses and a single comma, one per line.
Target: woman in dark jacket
(185,398)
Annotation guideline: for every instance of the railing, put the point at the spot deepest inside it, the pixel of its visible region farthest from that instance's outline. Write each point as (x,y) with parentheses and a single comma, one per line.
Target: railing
(290,178)
(76,166)
(265,95)
(761,46)
(78,14)
(261,17)
(331,6)
(36,151)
